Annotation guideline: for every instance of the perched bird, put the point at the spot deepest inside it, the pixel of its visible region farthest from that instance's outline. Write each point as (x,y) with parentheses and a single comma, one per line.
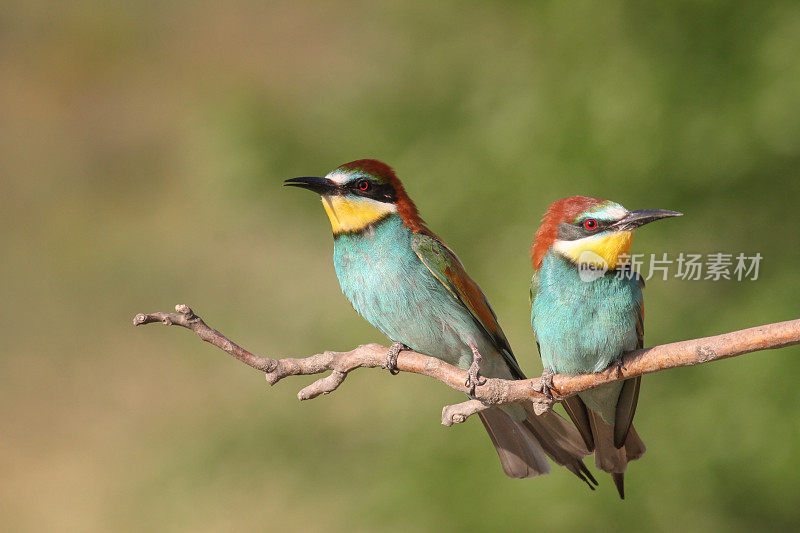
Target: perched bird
(403,280)
(586,311)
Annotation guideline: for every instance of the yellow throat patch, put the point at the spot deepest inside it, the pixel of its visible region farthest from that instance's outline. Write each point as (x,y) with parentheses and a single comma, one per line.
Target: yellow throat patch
(354,214)
(597,249)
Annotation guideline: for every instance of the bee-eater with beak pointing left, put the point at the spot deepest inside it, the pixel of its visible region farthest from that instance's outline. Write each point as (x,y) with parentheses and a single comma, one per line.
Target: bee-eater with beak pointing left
(401,278)
(586,311)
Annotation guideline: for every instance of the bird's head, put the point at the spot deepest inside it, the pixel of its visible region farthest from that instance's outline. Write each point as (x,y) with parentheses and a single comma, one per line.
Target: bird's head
(590,230)
(358,194)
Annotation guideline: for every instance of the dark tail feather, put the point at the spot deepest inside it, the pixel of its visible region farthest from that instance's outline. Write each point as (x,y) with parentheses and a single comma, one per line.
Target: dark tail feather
(626,408)
(521,446)
(619,481)
(634,447)
(608,457)
(579,414)
(561,442)
(520,455)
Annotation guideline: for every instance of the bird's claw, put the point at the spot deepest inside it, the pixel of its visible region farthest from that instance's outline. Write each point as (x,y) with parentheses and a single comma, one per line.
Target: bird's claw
(474,378)
(391,357)
(620,366)
(546,385)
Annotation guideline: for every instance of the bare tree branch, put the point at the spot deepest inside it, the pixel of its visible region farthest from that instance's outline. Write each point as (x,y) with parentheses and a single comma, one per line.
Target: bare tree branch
(458,413)
(494,391)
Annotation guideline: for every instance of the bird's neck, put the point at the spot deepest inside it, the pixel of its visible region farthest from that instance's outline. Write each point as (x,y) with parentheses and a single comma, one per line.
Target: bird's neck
(390,227)
(560,271)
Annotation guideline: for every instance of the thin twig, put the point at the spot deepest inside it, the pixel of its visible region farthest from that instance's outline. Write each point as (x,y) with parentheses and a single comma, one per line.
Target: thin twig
(494,391)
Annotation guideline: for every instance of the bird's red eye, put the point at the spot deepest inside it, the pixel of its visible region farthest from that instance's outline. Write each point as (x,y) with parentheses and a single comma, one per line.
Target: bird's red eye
(363,185)
(590,224)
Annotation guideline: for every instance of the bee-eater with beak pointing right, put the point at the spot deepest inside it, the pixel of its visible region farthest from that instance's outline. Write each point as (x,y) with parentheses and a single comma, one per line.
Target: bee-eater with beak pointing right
(401,278)
(586,311)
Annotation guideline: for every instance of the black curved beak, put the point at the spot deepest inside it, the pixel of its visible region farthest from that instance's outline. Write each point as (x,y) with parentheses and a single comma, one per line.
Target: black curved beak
(640,217)
(318,185)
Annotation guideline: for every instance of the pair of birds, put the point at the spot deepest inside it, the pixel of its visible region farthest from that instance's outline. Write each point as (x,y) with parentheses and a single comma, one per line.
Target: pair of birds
(407,283)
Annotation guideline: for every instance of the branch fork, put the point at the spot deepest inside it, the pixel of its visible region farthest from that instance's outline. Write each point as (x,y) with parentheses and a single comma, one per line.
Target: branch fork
(493,391)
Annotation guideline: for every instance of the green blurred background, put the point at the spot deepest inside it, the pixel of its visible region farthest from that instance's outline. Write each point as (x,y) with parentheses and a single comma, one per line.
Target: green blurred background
(142,150)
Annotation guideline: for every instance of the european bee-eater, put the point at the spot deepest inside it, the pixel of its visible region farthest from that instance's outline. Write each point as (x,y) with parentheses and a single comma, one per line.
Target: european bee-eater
(403,280)
(586,311)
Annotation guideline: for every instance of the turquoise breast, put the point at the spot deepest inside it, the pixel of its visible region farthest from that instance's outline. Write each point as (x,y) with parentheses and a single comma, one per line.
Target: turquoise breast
(584,326)
(392,289)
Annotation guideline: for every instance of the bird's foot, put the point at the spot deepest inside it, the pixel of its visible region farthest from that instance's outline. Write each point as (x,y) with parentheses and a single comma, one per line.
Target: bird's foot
(619,365)
(391,357)
(546,385)
(474,377)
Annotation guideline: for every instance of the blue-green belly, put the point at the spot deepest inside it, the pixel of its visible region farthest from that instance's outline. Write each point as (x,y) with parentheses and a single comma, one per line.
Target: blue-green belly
(585,326)
(391,288)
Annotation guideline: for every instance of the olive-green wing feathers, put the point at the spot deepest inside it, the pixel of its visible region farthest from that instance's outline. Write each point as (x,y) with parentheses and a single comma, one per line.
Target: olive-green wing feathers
(446,267)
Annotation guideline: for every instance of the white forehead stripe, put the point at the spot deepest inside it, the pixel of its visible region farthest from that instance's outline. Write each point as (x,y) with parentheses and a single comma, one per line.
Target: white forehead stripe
(338,177)
(617,211)
(609,211)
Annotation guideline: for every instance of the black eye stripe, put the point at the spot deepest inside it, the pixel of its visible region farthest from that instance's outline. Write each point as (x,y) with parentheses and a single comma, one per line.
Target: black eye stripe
(577,230)
(591,225)
(569,232)
(382,192)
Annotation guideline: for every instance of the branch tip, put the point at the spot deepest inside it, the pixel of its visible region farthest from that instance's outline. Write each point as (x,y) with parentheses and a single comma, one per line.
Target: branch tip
(458,413)
(186,311)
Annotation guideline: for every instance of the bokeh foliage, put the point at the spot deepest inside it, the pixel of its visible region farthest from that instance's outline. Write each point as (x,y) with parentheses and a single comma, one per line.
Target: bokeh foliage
(142,149)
